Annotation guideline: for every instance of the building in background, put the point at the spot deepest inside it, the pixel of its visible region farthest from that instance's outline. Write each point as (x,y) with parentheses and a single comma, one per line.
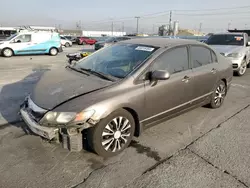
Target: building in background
(102,33)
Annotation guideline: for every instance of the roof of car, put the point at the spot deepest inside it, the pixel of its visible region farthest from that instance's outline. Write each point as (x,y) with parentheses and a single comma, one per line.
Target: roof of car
(160,42)
(229,33)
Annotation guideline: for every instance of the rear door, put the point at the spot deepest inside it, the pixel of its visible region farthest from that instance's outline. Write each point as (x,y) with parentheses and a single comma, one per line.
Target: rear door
(204,66)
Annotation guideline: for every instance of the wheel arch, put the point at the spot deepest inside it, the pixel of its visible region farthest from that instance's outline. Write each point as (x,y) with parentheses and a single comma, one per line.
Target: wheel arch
(225,81)
(138,126)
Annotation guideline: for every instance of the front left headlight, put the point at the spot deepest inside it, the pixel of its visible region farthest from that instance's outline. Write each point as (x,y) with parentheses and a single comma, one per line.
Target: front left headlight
(235,55)
(66,117)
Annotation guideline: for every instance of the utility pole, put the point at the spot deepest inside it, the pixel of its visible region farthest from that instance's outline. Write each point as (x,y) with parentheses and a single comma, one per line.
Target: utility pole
(137,27)
(112,27)
(228,26)
(200,27)
(170,23)
(122,26)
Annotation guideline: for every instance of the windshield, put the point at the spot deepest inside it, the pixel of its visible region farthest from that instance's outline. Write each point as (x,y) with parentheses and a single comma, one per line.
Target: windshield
(228,39)
(11,37)
(117,60)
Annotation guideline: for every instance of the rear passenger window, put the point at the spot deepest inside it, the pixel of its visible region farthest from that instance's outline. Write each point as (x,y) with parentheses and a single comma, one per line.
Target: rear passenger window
(173,61)
(200,56)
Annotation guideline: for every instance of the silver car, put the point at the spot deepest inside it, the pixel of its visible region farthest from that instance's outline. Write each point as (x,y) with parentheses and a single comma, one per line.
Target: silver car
(235,47)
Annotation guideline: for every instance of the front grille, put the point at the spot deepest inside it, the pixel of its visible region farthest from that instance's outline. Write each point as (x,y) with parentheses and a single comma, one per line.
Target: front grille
(235,66)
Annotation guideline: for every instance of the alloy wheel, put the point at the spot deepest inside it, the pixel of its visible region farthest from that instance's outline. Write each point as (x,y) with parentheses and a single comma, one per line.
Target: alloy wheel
(220,94)
(115,134)
(243,67)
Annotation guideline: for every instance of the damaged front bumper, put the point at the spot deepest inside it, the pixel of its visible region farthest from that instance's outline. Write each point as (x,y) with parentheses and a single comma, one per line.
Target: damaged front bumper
(46,132)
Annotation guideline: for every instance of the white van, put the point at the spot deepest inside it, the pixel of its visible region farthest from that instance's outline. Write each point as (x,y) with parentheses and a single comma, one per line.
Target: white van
(31,42)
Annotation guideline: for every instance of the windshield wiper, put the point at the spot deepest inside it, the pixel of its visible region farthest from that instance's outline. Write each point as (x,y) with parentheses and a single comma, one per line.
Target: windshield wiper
(77,70)
(99,74)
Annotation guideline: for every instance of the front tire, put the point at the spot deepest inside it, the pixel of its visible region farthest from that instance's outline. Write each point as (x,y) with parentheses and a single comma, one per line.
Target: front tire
(7,52)
(53,51)
(67,45)
(112,134)
(242,69)
(218,95)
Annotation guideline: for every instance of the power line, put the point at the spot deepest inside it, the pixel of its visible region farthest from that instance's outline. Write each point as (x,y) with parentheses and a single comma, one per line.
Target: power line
(213,14)
(176,10)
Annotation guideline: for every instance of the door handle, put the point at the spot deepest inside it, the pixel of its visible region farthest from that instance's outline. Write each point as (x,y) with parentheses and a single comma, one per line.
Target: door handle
(185,79)
(213,71)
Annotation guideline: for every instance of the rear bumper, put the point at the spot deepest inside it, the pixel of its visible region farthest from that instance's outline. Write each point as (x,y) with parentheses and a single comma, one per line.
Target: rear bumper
(60,49)
(45,132)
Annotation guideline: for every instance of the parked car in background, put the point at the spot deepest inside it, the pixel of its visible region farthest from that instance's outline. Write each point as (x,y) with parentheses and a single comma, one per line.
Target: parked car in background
(235,47)
(65,42)
(31,42)
(71,38)
(118,91)
(109,41)
(85,40)
(6,32)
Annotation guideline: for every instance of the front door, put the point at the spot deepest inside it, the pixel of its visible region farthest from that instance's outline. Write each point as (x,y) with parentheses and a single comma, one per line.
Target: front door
(168,96)
(22,44)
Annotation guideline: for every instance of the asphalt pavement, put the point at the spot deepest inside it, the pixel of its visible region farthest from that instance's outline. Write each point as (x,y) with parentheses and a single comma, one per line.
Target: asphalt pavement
(201,148)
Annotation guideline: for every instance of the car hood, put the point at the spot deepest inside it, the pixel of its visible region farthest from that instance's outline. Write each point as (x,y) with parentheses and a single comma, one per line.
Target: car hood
(100,42)
(56,87)
(227,49)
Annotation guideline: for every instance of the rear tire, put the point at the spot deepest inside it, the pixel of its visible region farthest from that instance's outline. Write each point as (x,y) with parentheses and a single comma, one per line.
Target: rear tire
(218,95)
(53,52)
(7,52)
(112,134)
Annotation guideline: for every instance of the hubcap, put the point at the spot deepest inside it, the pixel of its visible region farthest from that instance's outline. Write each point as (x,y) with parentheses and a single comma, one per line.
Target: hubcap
(115,134)
(220,94)
(7,52)
(243,68)
(53,51)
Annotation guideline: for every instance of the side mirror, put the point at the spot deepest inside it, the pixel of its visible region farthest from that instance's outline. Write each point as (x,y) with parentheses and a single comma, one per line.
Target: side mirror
(160,75)
(17,41)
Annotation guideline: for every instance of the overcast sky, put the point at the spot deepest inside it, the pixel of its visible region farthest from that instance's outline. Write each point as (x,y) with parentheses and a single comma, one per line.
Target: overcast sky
(95,15)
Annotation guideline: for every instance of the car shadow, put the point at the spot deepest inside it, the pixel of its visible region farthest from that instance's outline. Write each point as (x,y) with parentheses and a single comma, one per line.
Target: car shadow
(12,96)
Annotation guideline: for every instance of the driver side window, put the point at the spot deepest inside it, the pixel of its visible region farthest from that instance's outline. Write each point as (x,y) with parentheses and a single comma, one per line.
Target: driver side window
(23,38)
(174,61)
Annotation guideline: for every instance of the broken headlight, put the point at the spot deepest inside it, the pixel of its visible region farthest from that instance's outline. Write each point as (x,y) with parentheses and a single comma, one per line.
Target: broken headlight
(66,117)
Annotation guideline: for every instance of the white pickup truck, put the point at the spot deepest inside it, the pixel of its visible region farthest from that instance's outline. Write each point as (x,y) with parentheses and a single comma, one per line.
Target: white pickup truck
(234,46)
